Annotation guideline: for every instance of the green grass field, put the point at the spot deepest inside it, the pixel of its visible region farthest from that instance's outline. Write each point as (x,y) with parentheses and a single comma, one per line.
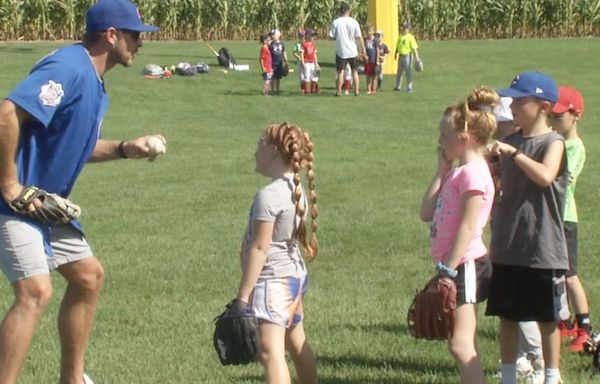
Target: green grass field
(168,232)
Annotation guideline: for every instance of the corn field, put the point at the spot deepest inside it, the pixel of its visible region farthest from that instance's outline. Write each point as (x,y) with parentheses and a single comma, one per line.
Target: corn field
(247,19)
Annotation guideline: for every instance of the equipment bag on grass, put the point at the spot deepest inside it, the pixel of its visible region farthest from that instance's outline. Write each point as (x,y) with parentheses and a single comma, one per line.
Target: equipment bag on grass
(225,58)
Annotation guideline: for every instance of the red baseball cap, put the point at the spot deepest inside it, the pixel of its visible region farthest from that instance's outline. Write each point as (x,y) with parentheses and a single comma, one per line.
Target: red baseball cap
(569,99)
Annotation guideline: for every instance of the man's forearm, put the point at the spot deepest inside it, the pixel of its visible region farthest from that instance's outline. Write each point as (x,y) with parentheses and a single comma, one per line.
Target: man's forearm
(361,47)
(11,117)
(105,150)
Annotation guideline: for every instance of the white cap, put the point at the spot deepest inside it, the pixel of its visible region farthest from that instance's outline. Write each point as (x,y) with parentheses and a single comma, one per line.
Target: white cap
(275,32)
(502,110)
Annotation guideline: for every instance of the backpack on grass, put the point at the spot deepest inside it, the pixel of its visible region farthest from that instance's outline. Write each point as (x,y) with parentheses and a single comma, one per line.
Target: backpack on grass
(225,58)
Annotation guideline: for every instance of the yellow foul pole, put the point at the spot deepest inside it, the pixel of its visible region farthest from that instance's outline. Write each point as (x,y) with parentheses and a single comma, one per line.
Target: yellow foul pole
(383,15)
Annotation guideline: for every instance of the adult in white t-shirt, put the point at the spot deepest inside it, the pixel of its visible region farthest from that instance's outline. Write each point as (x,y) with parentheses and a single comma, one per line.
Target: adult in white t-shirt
(348,43)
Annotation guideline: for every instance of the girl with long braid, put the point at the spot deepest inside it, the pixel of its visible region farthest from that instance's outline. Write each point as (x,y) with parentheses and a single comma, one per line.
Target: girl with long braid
(273,270)
(458,203)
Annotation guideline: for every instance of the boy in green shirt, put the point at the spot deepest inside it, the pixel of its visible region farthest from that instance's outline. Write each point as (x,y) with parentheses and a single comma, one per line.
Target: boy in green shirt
(405,46)
(565,115)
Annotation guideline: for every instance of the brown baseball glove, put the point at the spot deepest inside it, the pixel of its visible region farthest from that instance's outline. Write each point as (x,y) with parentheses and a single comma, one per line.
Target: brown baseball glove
(433,310)
(419,65)
(55,209)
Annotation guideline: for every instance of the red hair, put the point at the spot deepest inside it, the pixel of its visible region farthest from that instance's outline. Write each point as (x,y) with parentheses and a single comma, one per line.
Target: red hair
(296,148)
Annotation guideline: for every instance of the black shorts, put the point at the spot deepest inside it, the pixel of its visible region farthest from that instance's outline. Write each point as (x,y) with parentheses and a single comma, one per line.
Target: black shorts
(278,71)
(528,294)
(340,64)
(473,281)
(571,237)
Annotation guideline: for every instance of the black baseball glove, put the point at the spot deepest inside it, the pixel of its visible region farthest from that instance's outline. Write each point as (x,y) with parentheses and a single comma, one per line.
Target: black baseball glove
(54,209)
(236,337)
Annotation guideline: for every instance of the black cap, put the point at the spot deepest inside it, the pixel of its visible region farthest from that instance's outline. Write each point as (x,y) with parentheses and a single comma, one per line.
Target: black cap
(344,7)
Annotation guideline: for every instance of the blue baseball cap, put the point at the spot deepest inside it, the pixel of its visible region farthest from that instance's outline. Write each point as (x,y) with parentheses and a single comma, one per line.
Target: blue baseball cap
(119,14)
(532,83)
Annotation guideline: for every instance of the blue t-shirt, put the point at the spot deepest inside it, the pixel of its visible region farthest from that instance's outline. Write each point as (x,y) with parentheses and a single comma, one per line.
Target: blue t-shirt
(371,49)
(66,100)
(277,48)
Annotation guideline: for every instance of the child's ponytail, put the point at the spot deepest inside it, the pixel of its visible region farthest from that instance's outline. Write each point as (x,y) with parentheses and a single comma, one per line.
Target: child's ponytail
(475,115)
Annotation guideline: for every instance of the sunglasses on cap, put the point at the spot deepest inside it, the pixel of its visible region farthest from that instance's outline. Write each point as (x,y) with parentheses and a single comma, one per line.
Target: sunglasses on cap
(134,34)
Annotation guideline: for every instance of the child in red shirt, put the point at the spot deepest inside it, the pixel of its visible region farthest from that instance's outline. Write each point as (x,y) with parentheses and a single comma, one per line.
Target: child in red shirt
(310,63)
(266,63)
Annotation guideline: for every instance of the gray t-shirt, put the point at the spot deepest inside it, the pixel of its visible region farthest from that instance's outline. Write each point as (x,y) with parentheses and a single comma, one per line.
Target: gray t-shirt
(345,30)
(528,227)
(274,203)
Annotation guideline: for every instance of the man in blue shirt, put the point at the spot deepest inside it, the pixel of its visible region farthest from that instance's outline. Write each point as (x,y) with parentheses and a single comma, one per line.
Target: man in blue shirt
(49,128)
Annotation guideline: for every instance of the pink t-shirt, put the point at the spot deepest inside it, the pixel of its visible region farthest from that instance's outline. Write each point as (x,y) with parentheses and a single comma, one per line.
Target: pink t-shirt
(473,176)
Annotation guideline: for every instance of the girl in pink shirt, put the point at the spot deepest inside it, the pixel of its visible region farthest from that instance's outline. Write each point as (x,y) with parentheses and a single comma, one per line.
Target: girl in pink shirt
(458,203)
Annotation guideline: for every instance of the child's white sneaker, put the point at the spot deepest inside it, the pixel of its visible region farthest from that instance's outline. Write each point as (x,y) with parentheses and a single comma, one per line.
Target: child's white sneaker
(86,379)
(524,367)
(536,377)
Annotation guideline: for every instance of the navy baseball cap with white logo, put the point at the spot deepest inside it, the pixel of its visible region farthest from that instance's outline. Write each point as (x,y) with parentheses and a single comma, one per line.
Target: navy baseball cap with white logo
(532,83)
(119,14)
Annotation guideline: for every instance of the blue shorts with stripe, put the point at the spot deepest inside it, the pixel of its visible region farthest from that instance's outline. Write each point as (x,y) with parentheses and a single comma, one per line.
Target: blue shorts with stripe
(279,300)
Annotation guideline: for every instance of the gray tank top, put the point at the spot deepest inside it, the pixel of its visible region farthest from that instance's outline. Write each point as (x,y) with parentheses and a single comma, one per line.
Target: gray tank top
(528,226)
(274,203)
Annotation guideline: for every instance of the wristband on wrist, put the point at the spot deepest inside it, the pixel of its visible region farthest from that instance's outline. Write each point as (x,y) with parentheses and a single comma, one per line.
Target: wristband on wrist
(446,270)
(121,151)
(516,153)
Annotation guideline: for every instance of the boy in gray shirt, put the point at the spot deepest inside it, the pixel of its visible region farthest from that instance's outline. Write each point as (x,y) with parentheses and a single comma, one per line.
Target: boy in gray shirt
(528,248)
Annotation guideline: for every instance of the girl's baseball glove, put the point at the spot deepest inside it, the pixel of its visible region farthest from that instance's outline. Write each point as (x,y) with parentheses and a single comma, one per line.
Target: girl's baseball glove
(433,311)
(236,339)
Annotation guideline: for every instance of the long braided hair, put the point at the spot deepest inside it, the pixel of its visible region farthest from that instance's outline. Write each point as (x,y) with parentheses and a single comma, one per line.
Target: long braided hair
(296,148)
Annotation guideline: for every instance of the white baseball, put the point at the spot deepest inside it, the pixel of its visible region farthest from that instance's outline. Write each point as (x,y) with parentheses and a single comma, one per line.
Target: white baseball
(155,146)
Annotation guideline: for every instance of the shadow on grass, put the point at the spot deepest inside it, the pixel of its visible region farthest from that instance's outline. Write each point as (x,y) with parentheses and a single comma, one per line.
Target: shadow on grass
(390,368)
(395,328)
(249,92)
(391,380)
(362,367)
(328,379)
(9,49)
(409,365)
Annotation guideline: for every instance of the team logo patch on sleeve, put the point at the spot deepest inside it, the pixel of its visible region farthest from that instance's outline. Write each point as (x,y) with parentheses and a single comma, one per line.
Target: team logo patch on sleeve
(51,94)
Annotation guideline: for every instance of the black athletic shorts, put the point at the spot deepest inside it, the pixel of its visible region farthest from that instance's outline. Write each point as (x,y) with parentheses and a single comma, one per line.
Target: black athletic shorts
(278,71)
(473,281)
(571,237)
(527,294)
(340,64)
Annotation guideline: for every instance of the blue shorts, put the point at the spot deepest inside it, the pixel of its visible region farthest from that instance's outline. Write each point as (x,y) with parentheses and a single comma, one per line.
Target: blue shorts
(266,76)
(279,300)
